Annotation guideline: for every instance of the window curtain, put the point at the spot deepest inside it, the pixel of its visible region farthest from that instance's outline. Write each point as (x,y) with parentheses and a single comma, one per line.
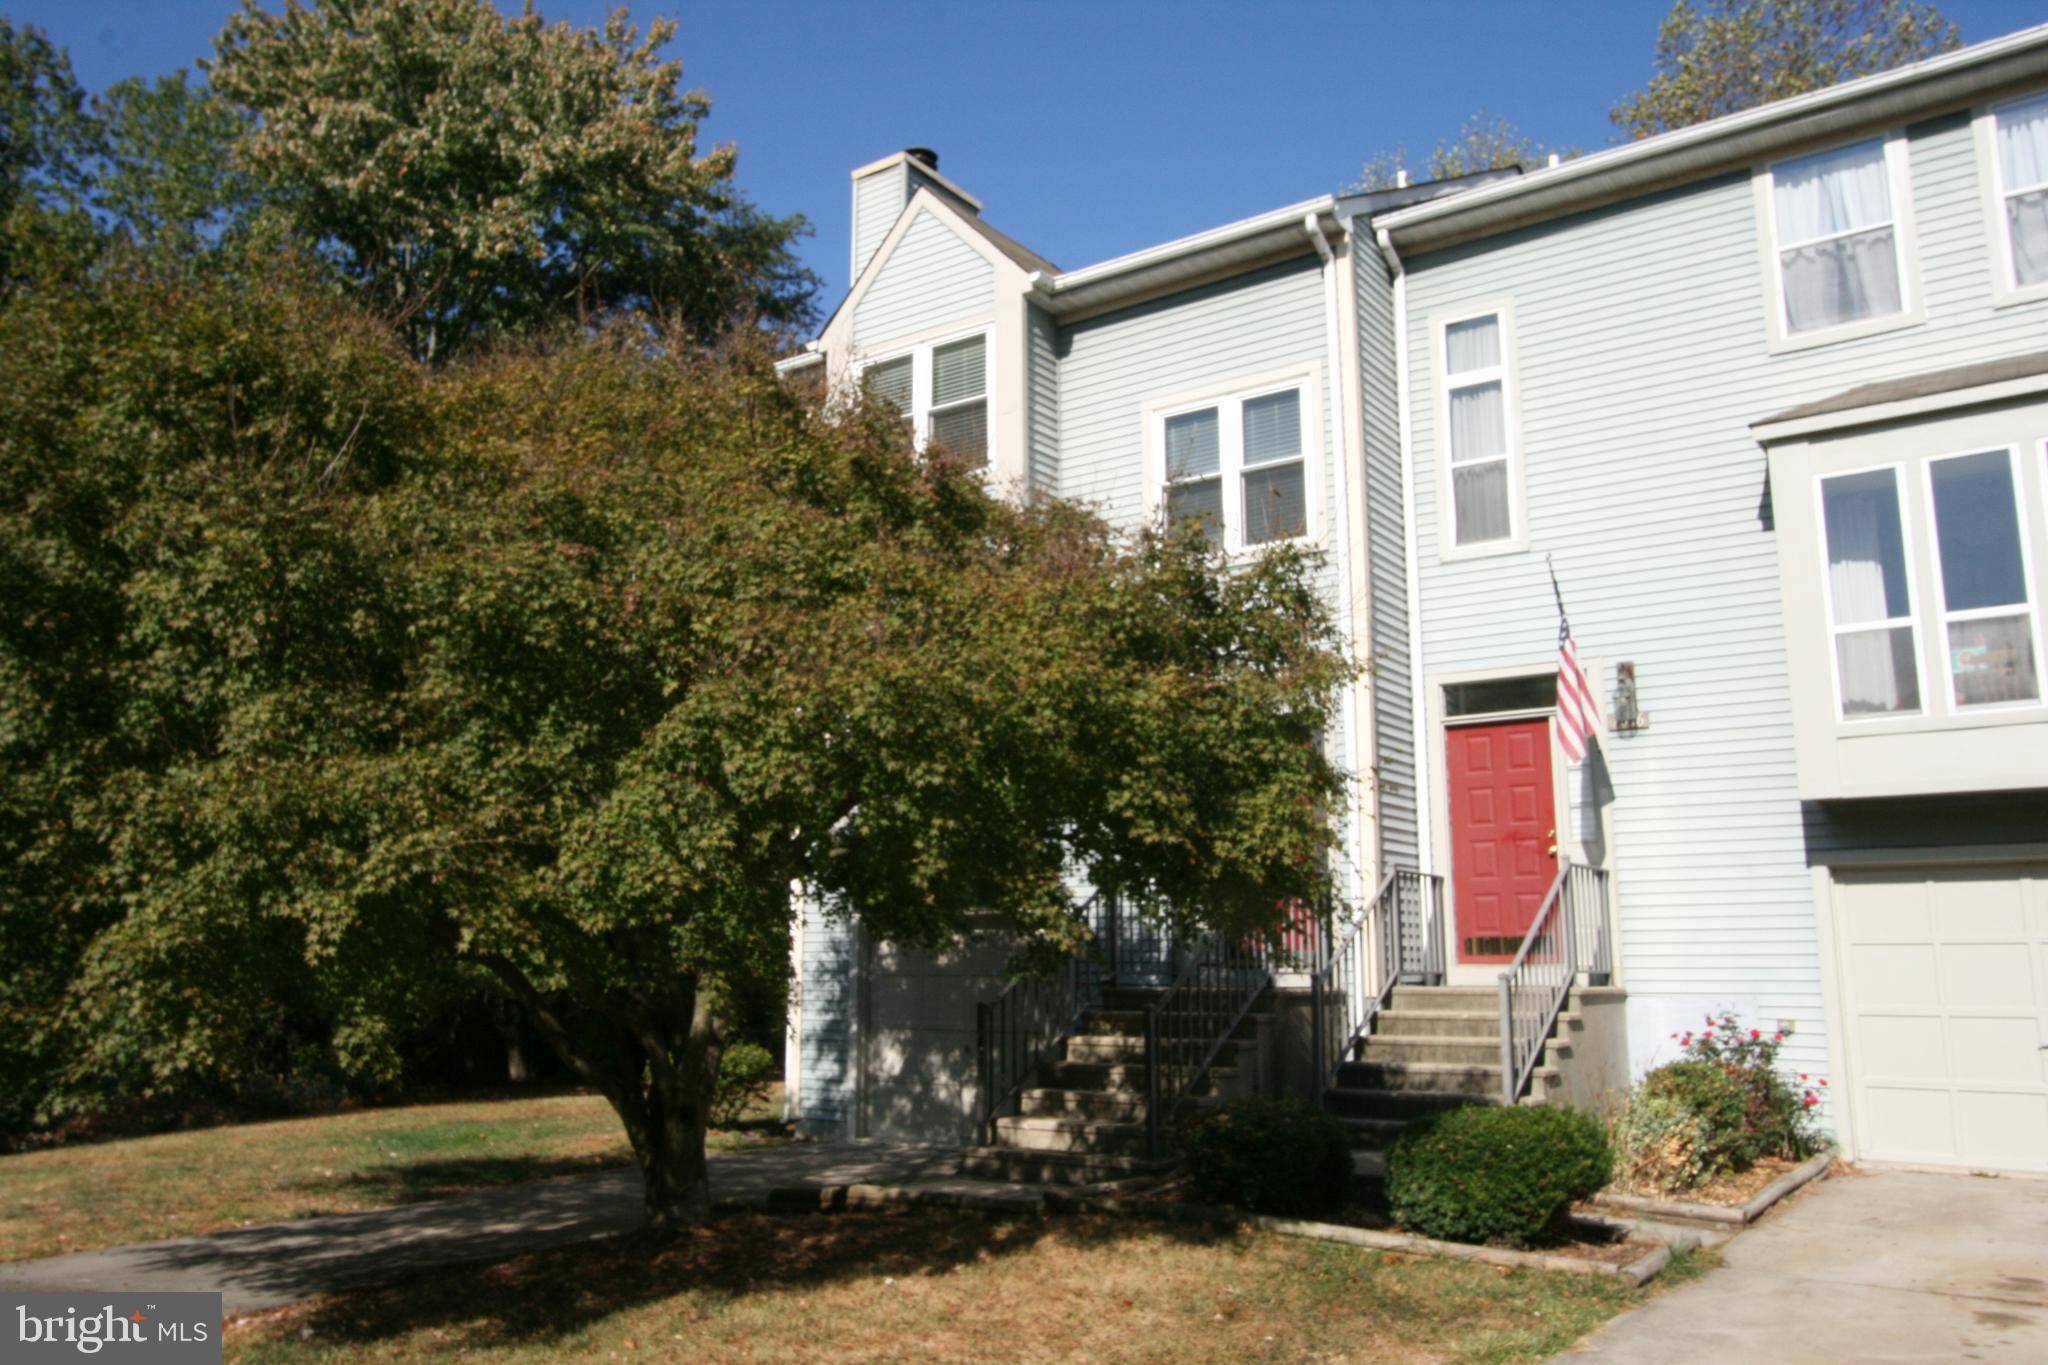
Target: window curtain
(1472,345)
(1845,197)
(2023,173)
(1867,582)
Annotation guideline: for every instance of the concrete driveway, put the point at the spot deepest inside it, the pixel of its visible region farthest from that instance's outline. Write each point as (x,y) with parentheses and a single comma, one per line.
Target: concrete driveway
(1886,1266)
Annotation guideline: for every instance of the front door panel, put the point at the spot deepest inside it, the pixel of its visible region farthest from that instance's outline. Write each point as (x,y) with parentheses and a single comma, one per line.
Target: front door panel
(1503,833)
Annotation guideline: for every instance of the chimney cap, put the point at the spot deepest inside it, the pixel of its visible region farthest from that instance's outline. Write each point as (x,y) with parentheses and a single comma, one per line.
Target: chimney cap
(924,154)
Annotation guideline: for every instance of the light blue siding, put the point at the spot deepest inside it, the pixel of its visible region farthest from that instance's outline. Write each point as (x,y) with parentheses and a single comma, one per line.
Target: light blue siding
(930,279)
(1042,407)
(1385,630)
(1643,360)
(825,1086)
(1245,329)
(877,201)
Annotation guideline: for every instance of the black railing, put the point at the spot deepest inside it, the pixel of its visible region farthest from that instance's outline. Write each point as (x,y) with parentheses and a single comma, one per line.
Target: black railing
(1021,1029)
(1399,940)
(1189,1025)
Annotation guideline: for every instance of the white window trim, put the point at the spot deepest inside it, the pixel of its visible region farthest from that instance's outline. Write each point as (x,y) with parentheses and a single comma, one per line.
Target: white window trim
(1905,245)
(1901,491)
(921,404)
(1229,399)
(2005,288)
(1509,372)
(2029,608)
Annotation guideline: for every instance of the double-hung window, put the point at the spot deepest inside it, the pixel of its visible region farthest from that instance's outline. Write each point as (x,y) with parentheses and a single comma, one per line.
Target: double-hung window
(1837,237)
(1238,467)
(1870,594)
(942,392)
(1981,565)
(2019,134)
(1478,430)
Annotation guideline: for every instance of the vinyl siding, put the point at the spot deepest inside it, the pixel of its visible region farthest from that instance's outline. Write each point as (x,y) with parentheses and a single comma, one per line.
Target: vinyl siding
(825,1086)
(1042,412)
(1391,686)
(877,200)
(1642,361)
(930,279)
(1248,328)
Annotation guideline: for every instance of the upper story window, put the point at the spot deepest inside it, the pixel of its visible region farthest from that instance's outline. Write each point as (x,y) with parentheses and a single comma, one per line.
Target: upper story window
(942,391)
(1870,594)
(1238,466)
(1981,567)
(1837,234)
(1478,425)
(1977,576)
(2020,202)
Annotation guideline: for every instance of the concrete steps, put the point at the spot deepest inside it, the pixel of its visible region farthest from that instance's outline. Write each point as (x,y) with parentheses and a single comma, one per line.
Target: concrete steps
(1015,1166)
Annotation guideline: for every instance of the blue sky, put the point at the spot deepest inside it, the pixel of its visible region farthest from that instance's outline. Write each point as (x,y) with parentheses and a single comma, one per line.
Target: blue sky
(1086,127)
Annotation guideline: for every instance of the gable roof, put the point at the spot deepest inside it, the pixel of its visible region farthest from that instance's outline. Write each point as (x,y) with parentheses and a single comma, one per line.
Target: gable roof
(1953,80)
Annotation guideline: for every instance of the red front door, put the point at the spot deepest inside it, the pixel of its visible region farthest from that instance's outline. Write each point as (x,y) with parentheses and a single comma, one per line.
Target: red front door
(1503,833)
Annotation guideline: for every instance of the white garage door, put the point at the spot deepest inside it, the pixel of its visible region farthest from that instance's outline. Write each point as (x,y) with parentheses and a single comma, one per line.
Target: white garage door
(1944,979)
(917,1040)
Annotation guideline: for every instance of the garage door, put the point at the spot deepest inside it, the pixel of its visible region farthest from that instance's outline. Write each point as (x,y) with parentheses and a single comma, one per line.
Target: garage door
(1945,992)
(917,1040)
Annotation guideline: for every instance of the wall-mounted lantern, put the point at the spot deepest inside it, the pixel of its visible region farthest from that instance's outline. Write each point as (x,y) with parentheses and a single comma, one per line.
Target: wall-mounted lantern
(1628,713)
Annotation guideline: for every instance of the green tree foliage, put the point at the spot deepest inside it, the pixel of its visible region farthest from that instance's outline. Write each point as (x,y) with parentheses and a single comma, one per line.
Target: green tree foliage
(1485,142)
(473,175)
(169,181)
(324,672)
(1729,55)
(47,134)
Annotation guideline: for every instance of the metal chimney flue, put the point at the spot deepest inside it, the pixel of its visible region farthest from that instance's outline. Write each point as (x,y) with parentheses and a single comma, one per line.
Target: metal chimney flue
(924,154)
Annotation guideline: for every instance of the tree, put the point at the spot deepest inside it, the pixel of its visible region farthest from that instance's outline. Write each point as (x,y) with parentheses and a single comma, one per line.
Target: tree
(473,175)
(169,179)
(47,134)
(338,673)
(1485,142)
(1729,55)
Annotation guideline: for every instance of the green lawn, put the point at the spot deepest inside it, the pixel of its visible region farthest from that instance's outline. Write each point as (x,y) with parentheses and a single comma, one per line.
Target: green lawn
(949,1286)
(140,1189)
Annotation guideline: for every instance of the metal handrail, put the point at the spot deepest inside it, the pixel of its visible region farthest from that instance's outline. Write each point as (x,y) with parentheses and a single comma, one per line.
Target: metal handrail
(1539,980)
(1187,1027)
(1021,1028)
(1399,939)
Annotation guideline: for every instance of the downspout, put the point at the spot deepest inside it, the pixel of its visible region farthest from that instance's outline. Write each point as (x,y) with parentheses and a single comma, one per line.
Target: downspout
(1425,815)
(1340,446)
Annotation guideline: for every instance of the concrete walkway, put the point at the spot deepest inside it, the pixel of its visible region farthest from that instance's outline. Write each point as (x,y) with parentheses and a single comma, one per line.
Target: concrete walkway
(265,1267)
(1887,1266)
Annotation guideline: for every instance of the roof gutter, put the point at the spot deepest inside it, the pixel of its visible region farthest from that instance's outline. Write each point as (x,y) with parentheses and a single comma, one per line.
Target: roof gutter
(1941,84)
(1227,250)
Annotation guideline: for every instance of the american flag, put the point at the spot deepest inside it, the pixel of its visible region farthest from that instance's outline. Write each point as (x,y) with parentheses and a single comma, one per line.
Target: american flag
(1578,715)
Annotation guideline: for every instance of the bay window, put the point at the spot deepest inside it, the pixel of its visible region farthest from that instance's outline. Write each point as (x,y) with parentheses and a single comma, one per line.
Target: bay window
(1981,567)
(1870,595)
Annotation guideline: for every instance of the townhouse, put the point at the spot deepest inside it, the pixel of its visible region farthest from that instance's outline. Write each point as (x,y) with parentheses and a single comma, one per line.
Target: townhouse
(1761,404)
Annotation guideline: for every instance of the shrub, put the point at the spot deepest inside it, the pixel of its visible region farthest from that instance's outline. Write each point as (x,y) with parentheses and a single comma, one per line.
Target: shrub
(1659,1144)
(1489,1174)
(744,1074)
(1778,1115)
(1269,1156)
(1713,1093)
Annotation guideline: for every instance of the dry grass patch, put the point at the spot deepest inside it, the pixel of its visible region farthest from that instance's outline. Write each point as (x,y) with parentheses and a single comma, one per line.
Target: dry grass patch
(932,1285)
(104,1194)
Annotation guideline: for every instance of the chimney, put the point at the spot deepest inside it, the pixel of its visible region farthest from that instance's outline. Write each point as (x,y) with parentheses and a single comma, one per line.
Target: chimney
(882,188)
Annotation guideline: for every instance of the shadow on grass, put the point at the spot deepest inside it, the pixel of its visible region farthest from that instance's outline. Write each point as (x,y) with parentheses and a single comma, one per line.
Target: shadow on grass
(412,1182)
(548,1295)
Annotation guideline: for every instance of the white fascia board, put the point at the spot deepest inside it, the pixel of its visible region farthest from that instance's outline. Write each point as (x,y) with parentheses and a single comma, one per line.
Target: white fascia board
(1726,128)
(1288,218)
